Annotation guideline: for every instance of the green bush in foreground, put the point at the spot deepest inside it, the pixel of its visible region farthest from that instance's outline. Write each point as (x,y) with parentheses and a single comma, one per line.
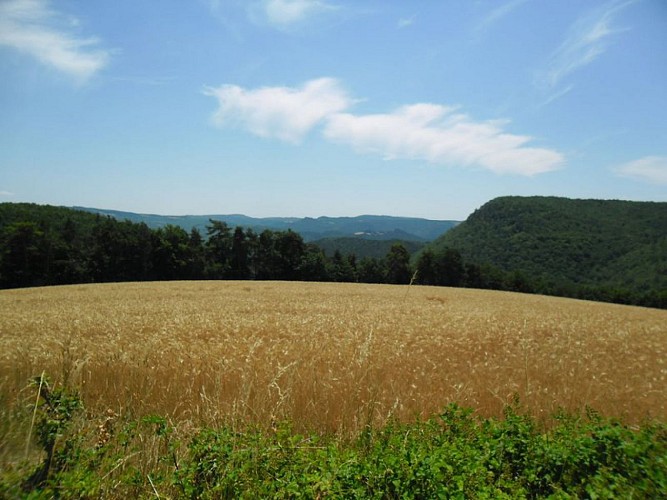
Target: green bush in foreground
(452,455)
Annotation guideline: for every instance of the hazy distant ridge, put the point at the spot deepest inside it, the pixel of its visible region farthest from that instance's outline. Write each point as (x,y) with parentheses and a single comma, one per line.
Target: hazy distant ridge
(376,227)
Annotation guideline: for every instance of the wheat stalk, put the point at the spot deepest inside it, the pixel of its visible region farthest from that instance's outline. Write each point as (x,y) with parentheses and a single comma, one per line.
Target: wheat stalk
(34,414)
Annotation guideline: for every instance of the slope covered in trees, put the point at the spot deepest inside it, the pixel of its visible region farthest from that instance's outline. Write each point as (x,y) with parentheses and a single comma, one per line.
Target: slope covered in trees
(569,247)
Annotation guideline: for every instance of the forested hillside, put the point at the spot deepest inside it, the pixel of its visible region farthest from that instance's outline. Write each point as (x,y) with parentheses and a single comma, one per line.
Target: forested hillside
(569,247)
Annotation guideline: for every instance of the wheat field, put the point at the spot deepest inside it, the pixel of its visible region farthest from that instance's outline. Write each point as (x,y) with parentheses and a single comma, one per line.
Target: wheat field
(329,357)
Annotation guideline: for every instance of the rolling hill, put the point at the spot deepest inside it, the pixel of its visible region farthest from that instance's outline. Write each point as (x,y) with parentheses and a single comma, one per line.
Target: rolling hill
(568,242)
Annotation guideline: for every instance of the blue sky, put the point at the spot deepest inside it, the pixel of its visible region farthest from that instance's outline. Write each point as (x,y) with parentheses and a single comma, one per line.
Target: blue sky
(330,107)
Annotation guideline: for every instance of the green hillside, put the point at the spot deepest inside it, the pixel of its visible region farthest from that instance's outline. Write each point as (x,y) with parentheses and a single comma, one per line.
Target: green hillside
(563,243)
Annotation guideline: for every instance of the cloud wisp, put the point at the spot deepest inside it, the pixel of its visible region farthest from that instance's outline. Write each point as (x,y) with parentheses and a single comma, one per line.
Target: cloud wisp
(287,13)
(496,15)
(651,169)
(424,131)
(588,39)
(285,113)
(33,28)
(404,22)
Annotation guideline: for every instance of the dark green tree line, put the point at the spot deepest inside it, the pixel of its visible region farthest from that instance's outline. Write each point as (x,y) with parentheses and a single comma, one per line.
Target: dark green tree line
(43,245)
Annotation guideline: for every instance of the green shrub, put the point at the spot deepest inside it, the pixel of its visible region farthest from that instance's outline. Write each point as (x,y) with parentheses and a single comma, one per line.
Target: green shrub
(452,455)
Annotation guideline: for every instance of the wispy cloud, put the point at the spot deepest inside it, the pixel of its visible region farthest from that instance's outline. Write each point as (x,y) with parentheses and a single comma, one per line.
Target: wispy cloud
(556,95)
(496,15)
(6,194)
(428,132)
(285,113)
(652,169)
(34,28)
(287,13)
(438,134)
(404,22)
(588,38)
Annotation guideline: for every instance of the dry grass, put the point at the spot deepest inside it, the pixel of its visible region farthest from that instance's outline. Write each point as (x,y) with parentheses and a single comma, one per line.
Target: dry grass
(329,357)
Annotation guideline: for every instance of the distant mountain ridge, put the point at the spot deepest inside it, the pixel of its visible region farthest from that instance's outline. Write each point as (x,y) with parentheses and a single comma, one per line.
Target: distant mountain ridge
(372,227)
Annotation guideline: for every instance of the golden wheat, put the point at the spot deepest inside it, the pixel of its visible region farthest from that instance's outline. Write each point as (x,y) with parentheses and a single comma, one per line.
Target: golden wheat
(330,357)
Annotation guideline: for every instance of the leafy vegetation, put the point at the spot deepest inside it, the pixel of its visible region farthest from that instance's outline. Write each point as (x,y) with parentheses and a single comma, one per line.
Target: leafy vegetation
(452,454)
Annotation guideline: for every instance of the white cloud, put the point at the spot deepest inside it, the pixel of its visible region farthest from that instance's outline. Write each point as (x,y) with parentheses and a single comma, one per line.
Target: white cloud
(283,112)
(430,132)
(8,194)
(439,135)
(283,13)
(651,169)
(589,38)
(32,27)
